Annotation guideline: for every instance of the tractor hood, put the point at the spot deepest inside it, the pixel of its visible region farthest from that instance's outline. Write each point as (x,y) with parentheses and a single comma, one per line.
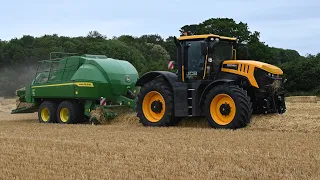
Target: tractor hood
(250,70)
(261,65)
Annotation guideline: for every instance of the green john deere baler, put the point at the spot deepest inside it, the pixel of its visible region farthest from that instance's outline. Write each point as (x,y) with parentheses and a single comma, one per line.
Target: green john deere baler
(66,90)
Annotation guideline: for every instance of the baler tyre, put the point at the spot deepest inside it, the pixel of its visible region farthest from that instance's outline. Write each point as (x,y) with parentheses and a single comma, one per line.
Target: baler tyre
(155,104)
(68,112)
(47,112)
(228,107)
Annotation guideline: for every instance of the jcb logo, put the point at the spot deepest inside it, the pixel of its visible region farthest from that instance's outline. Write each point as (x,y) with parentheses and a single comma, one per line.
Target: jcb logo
(192,73)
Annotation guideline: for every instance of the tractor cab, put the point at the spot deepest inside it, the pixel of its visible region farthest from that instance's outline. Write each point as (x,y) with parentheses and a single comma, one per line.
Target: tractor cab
(200,56)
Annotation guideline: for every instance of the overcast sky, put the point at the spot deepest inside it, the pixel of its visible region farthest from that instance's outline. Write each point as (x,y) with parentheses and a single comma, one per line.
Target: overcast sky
(289,24)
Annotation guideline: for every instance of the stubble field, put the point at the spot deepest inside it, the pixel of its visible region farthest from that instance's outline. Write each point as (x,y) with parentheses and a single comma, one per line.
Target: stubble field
(272,147)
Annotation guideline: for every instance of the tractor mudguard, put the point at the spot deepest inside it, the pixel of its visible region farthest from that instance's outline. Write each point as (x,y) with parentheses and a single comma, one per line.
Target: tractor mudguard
(147,77)
(211,85)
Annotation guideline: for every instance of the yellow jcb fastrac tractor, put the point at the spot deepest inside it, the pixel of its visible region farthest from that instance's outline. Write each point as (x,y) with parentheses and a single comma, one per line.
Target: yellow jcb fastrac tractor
(210,82)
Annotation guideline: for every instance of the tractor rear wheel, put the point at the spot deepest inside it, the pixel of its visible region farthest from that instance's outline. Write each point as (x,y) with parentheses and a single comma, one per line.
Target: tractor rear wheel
(228,106)
(68,112)
(47,112)
(155,104)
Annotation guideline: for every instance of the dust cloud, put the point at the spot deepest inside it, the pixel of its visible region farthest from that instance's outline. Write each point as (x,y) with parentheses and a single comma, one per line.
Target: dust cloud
(15,77)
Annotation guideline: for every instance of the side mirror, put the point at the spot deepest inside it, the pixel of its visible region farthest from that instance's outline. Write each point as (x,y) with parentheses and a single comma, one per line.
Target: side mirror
(176,42)
(204,50)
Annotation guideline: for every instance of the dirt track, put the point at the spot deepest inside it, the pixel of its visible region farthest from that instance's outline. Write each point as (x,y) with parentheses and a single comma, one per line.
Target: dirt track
(272,147)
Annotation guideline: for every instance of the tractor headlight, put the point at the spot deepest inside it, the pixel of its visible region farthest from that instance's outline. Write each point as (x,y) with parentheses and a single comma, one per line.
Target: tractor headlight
(274,75)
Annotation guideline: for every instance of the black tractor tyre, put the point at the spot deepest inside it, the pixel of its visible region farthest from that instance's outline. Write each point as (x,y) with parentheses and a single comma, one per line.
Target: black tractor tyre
(242,105)
(163,106)
(47,112)
(69,112)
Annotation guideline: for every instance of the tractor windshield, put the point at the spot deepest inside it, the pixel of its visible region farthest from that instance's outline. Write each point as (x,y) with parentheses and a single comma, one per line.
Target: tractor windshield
(223,51)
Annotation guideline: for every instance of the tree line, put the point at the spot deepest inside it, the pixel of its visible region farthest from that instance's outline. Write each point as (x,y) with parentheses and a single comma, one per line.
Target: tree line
(19,56)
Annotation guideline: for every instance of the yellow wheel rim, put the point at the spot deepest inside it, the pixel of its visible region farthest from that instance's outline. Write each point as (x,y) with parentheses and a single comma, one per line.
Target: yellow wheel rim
(153,106)
(222,109)
(64,114)
(45,114)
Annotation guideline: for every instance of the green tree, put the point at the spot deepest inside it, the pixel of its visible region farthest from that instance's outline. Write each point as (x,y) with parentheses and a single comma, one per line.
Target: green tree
(128,39)
(96,35)
(152,38)
(170,46)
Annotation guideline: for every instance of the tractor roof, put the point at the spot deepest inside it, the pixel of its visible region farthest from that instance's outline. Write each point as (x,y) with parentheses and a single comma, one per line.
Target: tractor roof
(204,36)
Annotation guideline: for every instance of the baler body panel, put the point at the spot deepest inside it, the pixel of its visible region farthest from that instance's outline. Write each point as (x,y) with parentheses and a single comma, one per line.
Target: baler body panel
(89,72)
(108,75)
(61,90)
(86,78)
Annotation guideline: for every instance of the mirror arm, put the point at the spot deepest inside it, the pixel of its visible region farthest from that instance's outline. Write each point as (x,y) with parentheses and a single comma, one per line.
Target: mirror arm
(176,41)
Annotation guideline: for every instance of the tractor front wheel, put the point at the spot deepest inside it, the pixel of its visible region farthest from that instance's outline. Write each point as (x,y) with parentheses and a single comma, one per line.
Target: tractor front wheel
(155,104)
(228,106)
